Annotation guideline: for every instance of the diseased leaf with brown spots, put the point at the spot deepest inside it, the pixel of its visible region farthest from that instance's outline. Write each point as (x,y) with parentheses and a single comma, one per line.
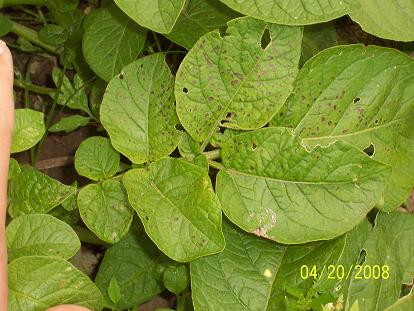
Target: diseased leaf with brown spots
(239,79)
(275,188)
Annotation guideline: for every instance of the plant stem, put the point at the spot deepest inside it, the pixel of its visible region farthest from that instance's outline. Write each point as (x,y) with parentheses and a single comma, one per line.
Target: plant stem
(87,236)
(22,2)
(157,42)
(212,155)
(32,36)
(216,165)
(181,301)
(50,115)
(34,88)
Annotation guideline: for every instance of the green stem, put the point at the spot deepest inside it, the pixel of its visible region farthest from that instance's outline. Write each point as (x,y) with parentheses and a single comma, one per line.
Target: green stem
(22,2)
(157,42)
(34,88)
(87,236)
(181,301)
(216,165)
(50,115)
(212,155)
(32,36)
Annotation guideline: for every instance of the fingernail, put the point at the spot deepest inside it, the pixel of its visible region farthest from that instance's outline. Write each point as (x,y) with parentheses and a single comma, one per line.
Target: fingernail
(2,46)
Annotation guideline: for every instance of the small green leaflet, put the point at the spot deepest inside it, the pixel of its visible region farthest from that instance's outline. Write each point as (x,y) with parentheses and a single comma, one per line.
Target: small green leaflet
(53,34)
(37,283)
(386,19)
(137,265)
(105,210)
(138,110)
(157,15)
(96,158)
(72,95)
(111,41)
(391,244)
(6,24)
(176,278)
(361,95)
(32,192)
(178,207)
(275,188)
(302,12)
(198,18)
(232,80)
(29,128)
(40,234)
(114,291)
(69,124)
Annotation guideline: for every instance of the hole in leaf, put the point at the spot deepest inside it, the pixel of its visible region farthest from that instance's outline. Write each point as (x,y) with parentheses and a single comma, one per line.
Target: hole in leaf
(179,127)
(229,115)
(185,90)
(362,256)
(254,146)
(266,39)
(370,150)
(376,122)
(223,31)
(357,99)
(121,76)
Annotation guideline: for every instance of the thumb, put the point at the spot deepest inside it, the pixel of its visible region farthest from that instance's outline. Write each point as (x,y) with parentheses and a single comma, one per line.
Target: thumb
(6,89)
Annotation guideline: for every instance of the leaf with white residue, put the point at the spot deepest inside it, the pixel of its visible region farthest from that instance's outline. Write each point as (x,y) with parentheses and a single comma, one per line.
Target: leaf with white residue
(275,188)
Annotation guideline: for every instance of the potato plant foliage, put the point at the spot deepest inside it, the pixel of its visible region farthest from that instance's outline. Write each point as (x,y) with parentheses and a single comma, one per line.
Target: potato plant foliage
(244,159)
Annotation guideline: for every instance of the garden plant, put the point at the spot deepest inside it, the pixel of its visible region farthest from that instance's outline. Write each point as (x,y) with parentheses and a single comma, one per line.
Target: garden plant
(233,155)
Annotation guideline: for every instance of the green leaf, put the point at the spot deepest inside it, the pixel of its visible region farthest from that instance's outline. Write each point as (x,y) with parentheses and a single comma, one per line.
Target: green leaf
(137,265)
(14,168)
(178,207)
(96,159)
(29,128)
(72,95)
(53,34)
(253,273)
(176,278)
(317,38)
(404,304)
(69,124)
(157,15)
(361,95)
(391,246)
(230,80)
(37,283)
(111,41)
(198,18)
(70,203)
(114,291)
(392,20)
(240,277)
(6,25)
(275,188)
(105,210)
(40,234)
(304,12)
(141,127)
(32,192)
